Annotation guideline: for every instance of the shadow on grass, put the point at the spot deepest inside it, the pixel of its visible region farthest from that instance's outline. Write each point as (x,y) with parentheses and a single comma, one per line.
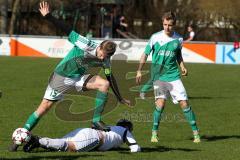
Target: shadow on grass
(62,157)
(167,149)
(210,138)
(208,97)
(203,97)
(156,149)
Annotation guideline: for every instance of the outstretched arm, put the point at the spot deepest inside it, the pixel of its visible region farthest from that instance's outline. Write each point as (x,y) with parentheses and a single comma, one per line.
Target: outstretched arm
(112,81)
(131,142)
(75,38)
(114,87)
(44,10)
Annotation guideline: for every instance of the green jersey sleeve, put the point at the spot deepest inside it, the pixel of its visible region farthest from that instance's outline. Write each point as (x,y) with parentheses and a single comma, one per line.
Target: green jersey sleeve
(149,47)
(82,42)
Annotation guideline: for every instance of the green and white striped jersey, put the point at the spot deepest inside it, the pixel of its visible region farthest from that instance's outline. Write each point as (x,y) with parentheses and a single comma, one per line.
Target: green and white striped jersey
(81,57)
(164,51)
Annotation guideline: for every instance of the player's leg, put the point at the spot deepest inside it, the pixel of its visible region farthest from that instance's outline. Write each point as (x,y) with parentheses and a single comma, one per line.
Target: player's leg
(160,94)
(191,118)
(102,86)
(53,93)
(179,94)
(157,113)
(47,143)
(54,144)
(33,119)
(31,144)
(83,140)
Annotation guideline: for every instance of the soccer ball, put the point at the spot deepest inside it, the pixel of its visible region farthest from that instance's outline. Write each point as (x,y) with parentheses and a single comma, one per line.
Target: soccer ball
(20,136)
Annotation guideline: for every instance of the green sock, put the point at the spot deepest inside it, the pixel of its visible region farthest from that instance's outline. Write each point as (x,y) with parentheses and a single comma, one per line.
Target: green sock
(190,116)
(101,98)
(32,121)
(156,118)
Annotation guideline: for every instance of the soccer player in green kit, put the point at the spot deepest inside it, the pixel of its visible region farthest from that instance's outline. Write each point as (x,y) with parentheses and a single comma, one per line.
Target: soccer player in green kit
(165,47)
(70,74)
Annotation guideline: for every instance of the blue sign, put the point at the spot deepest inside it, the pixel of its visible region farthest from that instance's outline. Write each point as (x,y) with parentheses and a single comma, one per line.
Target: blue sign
(226,54)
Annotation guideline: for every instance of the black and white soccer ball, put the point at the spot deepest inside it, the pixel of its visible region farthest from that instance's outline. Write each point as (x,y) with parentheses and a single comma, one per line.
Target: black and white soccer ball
(21,136)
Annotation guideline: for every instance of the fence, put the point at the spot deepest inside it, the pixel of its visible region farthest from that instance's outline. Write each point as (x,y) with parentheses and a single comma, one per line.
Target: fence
(128,49)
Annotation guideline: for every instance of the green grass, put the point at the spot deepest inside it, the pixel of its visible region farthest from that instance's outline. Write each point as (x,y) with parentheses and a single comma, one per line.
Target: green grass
(214,92)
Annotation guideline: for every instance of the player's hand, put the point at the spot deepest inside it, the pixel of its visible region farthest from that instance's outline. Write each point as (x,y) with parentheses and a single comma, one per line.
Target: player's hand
(126,102)
(184,71)
(44,8)
(138,77)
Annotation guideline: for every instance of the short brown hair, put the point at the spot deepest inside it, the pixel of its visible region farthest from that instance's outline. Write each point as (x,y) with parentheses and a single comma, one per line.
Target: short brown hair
(169,16)
(108,47)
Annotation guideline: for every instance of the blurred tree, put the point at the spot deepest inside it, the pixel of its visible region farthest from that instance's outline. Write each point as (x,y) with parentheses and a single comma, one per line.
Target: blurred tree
(215,21)
(223,17)
(3,15)
(15,11)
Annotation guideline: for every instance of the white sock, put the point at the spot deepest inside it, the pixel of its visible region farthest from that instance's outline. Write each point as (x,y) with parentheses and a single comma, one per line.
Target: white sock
(56,144)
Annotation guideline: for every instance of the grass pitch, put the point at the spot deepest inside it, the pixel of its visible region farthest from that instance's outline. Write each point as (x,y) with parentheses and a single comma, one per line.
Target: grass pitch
(213,90)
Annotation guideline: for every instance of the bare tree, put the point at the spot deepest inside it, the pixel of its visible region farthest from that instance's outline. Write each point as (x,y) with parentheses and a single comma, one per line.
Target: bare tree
(14,16)
(223,17)
(3,17)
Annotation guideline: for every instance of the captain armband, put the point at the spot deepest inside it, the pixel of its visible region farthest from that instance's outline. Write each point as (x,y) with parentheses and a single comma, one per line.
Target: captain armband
(107,71)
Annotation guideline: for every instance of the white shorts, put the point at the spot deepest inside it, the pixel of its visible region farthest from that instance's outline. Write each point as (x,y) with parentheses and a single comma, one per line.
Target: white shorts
(175,89)
(59,85)
(83,139)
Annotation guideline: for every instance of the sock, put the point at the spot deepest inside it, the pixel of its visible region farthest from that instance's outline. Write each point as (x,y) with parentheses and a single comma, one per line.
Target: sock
(101,99)
(156,118)
(190,116)
(55,144)
(32,121)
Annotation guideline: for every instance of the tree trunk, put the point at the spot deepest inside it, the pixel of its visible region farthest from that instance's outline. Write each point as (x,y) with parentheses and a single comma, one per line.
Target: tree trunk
(3,17)
(14,17)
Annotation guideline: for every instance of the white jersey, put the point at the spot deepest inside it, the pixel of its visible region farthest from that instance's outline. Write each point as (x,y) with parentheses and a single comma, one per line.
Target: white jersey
(192,34)
(85,137)
(116,137)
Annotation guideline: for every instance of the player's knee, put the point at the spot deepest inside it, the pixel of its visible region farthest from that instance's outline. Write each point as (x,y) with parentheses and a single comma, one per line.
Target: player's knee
(71,147)
(183,104)
(160,103)
(103,85)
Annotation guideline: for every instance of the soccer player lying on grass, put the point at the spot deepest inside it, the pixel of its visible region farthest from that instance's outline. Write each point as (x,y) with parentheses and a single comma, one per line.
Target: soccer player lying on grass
(165,47)
(71,74)
(87,139)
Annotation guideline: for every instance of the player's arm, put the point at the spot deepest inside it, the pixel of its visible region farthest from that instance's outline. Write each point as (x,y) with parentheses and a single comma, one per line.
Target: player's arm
(44,10)
(191,36)
(131,142)
(189,39)
(181,63)
(75,38)
(113,84)
(143,60)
